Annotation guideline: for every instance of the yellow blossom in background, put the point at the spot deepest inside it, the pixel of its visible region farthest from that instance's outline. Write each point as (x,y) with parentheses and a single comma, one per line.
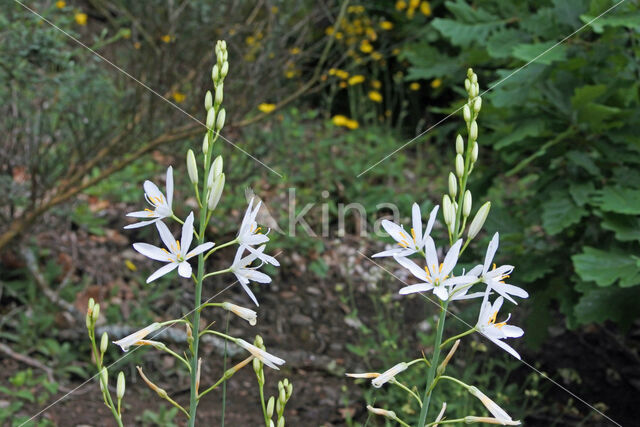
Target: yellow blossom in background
(266,108)
(386,25)
(126,33)
(328,31)
(290,74)
(81,18)
(366,47)
(131,266)
(355,9)
(343,84)
(401,5)
(340,120)
(332,71)
(395,52)
(376,84)
(413,4)
(387,113)
(425,8)
(436,83)
(166,38)
(250,40)
(355,80)
(375,96)
(352,124)
(376,56)
(338,35)
(137,45)
(294,51)
(341,74)
(60,4)
(274,9)
(178,96)
(414,86)
(371,34)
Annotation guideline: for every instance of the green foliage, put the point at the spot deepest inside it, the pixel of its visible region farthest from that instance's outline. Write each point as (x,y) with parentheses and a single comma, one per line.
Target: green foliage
(565,126)
(25,387)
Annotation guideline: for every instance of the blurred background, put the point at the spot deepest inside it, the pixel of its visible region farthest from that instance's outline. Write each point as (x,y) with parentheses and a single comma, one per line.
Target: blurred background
(320,91)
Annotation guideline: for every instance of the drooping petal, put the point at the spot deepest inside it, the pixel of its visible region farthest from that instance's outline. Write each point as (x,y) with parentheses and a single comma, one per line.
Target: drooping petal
(264,257)
(187,235)
(162,271)
(420,273)
(491,251)
(167,237)
(418,287)
(391,252)
(199,249)
(451,258)
(152,252)
(397,233)
(511,331)
(170,186)
(255,239)
(416,221)
(140,224)
(251,295)
(256,276)
(505,347)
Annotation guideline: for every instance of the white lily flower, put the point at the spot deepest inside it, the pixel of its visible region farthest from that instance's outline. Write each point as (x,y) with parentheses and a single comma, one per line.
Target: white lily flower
(409,245)
(495,278)
(499,413)
(161,206)
(137,336)
(245,313)
(246,274)
(488,327)
(267,358)
(389,374)
(436,276)
(250,234)
(178,251)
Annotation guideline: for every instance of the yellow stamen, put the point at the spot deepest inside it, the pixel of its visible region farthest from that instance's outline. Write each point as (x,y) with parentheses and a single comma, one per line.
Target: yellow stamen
(494,266)
(492,319)
(413,234)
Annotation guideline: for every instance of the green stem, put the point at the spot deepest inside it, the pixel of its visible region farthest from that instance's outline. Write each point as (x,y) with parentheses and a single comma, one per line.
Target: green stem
(224,369)
(105,394)
(224,245)
(444,344)
(457,420)
(215,273)
(408,390)
(434,364)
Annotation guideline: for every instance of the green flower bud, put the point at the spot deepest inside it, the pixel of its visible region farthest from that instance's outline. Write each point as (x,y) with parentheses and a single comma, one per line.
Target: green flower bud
(459,144)
(467,85)
(208,101)
(474,152)
(95,313)
(259,342)
(453,185)
(459,165)
(473,131)
(205,144)
(281,422)
(279,406)
(478,220)
(104,342)
(219,94)
(466,204)
(121,386)
(282,397)
(257,365)
(222,114)
(91,304)
(466,113)
(477,105)
(216,193)
(474,78)
(270,405)
(217,165)
(211,118)
(192,167)
(469,72)
(289,390)
(271,424)
(215,73)
(447,209)
(225,69)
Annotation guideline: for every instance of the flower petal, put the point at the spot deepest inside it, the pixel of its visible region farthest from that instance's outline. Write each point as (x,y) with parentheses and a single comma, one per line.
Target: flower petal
(416,221)
(167,237)
(140,224)
(419,287)
(162,271)
(431,256)
(184,269)
(420,273)
(152,252)
(505,347)
(441,292)
(451,258)
(491,251)
(251,295)
(187,235)
(199,249)
(170,186)
(153,192)
(143,214)
(432,220)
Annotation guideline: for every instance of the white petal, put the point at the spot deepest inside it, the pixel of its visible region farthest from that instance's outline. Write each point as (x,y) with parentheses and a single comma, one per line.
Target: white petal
(475,271)
(416,217)
(170,186)
(162,271)
(441,292)
(152,252)
(506,347)
(431,256)
(184,269)
(396,232)
(187,235)
(451,259)
(142,214)
(491,251)
(255,239)
(432,220)
(167,237)
(459,280)
(497,305)
(199,249)
(420,273)
(511,331)
(390,252)
(251,295)
(153,192)
(140,224)
(419,287)
(256,276)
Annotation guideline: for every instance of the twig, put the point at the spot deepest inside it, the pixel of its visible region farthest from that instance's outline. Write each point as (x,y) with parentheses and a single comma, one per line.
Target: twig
(27,360)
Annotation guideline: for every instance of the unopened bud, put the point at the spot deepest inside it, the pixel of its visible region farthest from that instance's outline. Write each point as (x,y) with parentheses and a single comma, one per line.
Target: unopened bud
(91,304)
(257,365)
(473,131)
(474,78)
(459,144)
(475,90)
(208,101)
(466,204)
(104,342)
(383,412)
(219,94)
(271,424)
(222,114)
(477,105)
(281,422)
(447,209)
(205,144)
(459,165)
(270,406)
(474,152)
(466,113)
(216,193)
(224,70)
(282,397)
(121,386)
(259,342)
(192,167)
(217,166)
(453,185)
(211,118)
(104,377)
(215,72)
(469,72)
(467,84)
(446,360)
(478,220)
(95,313)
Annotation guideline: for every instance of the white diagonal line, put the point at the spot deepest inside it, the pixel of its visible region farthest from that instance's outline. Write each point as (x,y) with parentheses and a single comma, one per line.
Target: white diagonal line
(470,326)
(492,87)
(141,83)
(130,352)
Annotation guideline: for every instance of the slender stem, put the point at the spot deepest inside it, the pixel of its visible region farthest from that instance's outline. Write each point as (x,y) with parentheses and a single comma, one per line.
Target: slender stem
(434,363)
(215,273)
(224,245)
(457,420)
(105,394)
(224,369)
(220,381)
(262,402)
(177,356)
(402,423)
(444,344)
(408,390)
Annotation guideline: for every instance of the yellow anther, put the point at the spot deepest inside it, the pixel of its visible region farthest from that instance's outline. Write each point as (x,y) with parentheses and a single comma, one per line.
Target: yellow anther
(413,234)
(492,319)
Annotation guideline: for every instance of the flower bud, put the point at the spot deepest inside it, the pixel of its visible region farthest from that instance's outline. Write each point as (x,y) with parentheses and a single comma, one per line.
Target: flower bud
(459,144)
(473,131)
(215,73)
(95,313)
(219,94)
(474,78)
(91,304)
(257,365)
(271,424)
(447,209)
(282,397)
(104,377)
(225,69)
(459,165)
(383,412)
(467,85)
(469,72)
(121,386)
(453,185)
(466,204)
(222,114)
(478,220)
(270,406)
(192,167)
(475,90)
(474,152)
(217,165)
(259,342)
(477,105)
(281,422)
(104,342)
(208,101)
(466,113)
(211,118)
(205,144)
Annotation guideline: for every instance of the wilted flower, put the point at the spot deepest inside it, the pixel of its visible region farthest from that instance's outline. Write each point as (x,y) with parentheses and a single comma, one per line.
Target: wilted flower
(268,359)
(247,314)
(408,244)
(493,407)
(389,374)
(488,327)
(161,205)
(137,336)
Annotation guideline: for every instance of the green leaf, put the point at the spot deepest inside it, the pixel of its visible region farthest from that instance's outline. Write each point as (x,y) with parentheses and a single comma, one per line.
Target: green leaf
(586,94)
(521,132)
(582,159)
(619,200)
(607,267)
(581,192)
(627,20)
(501,43)
(559,212)
(567,11)
(625,227)
(541,53)
(463,35)
(617,304)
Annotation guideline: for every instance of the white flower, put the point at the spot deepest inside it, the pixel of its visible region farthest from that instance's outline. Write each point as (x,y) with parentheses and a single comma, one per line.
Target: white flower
(246,274)
(178,252)
(488,327)
(247,314)
(250,234)
(268,359)
(408,244)
(136,337)
(495,278)
(493,407)
(435,275)
(389,374)
(367,375)
(161,206)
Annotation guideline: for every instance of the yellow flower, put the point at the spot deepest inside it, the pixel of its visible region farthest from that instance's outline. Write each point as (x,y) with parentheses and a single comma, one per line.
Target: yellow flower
(401,5)
(266,108)
(357,79)
(414,86)
(342,74)
(338,35)
(178,96)
(376,84)
(166,38)
(81,18)
(413,4)
(137,45)
(274,9)
(131,266)
(355,9)
(60,4)
(387,113)
(395,51)
(425,8)
(352,124)
(294,51)
(250,40)
(436,83)
(376,56)
(375,96)
(340,120)
(290,74)
(371,34)
(332,71)
(366,47)
(386,25)
(343,84)
(328,31)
